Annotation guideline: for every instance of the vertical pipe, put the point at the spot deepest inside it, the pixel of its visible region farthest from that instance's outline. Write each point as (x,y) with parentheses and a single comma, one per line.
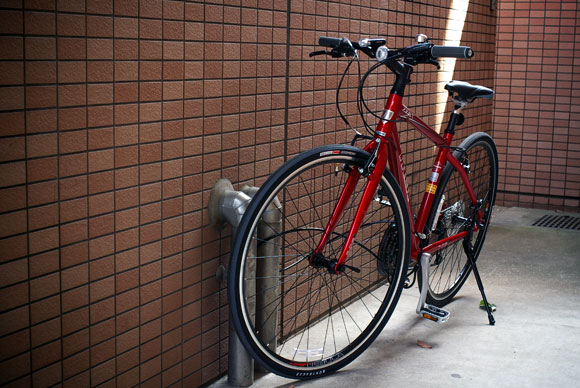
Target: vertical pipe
(240,363)
(227,205)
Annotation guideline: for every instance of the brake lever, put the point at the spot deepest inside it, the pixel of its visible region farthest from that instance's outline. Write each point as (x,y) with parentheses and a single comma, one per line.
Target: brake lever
(435,63)
(337,54)
(333,53)
(321,52)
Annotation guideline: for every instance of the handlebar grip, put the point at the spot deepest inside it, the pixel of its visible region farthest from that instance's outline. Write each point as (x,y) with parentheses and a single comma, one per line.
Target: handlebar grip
(329,42)
(451,51)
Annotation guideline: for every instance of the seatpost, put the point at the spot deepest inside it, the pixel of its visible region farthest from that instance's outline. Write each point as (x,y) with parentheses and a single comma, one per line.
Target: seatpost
(456,118)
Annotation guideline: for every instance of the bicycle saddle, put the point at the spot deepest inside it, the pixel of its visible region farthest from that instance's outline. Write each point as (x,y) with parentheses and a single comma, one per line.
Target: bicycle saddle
(468,92)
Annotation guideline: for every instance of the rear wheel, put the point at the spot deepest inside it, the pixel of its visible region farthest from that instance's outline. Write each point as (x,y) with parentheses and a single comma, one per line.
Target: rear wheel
(294,316)
(450,266)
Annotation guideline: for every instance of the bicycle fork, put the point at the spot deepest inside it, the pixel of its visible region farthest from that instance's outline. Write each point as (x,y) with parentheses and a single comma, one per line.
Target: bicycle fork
(374,167)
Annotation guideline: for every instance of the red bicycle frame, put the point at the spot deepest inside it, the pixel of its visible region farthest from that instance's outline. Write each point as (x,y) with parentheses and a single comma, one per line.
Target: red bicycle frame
(386,138)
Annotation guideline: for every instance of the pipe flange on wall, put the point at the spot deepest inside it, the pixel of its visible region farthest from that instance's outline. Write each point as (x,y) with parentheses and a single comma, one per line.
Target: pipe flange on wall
(226,204)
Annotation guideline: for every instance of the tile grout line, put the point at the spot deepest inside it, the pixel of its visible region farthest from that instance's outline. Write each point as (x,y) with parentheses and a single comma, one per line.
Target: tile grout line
(29,305)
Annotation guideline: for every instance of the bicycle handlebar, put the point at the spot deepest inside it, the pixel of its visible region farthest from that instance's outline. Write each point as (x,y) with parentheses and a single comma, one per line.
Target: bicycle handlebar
(344,47)
(400,62)
(419,53)
(329,42)
(451,52)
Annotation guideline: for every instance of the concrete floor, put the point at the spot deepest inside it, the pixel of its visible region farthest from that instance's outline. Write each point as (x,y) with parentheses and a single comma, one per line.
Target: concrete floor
(532,274)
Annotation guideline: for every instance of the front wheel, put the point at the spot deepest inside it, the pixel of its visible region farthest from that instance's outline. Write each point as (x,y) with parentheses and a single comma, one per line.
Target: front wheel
(297,318)
(450,266)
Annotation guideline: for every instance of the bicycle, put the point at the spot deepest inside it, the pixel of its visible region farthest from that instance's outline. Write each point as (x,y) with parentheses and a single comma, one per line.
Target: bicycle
(340,222)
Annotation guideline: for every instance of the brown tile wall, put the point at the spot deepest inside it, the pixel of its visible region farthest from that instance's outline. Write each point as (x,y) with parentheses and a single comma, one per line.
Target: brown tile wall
(536,119)
(116,119)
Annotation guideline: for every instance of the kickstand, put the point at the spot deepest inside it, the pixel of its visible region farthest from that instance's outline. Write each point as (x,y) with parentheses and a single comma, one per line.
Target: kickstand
(469,252)
(468,247)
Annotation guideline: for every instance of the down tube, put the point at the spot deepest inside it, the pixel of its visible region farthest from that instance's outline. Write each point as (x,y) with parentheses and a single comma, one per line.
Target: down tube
(397,167)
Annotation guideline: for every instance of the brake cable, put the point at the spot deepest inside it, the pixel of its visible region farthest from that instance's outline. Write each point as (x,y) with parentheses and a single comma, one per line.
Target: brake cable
(360,98)
(337,98)
(361,103)
(360,94)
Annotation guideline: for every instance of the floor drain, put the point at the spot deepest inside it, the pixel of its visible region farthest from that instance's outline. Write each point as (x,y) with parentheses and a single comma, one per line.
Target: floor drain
(560,222)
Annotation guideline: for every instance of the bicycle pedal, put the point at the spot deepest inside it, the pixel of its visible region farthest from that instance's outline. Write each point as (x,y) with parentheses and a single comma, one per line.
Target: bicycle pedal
(435,314)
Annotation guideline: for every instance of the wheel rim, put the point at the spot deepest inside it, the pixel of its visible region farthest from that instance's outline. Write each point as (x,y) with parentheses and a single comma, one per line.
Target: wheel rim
(320,317)
(450,265)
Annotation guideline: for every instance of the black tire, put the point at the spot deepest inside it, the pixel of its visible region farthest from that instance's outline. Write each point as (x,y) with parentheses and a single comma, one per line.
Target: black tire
(315,322)
(450,266)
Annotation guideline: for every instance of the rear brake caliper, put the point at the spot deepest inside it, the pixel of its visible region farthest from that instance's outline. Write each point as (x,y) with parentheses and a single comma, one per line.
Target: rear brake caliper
(465,163)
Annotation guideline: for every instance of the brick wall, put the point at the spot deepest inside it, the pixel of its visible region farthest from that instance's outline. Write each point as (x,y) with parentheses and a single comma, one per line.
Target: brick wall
(536,120)
(116,119)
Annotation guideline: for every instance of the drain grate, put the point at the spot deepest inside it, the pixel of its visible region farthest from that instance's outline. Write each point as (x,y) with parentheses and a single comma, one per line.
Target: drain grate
(560,222)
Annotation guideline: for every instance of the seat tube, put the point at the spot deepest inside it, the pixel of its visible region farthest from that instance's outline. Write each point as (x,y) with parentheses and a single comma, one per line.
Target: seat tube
(432,184)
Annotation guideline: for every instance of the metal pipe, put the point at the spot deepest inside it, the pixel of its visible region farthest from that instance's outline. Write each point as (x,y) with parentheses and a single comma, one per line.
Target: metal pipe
(228,205)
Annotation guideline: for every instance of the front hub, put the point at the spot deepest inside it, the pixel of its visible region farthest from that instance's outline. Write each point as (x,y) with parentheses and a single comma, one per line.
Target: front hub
(318,261)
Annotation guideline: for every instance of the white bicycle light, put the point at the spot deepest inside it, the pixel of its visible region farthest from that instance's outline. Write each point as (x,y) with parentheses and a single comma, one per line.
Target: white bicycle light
(382,53)
(364,43)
